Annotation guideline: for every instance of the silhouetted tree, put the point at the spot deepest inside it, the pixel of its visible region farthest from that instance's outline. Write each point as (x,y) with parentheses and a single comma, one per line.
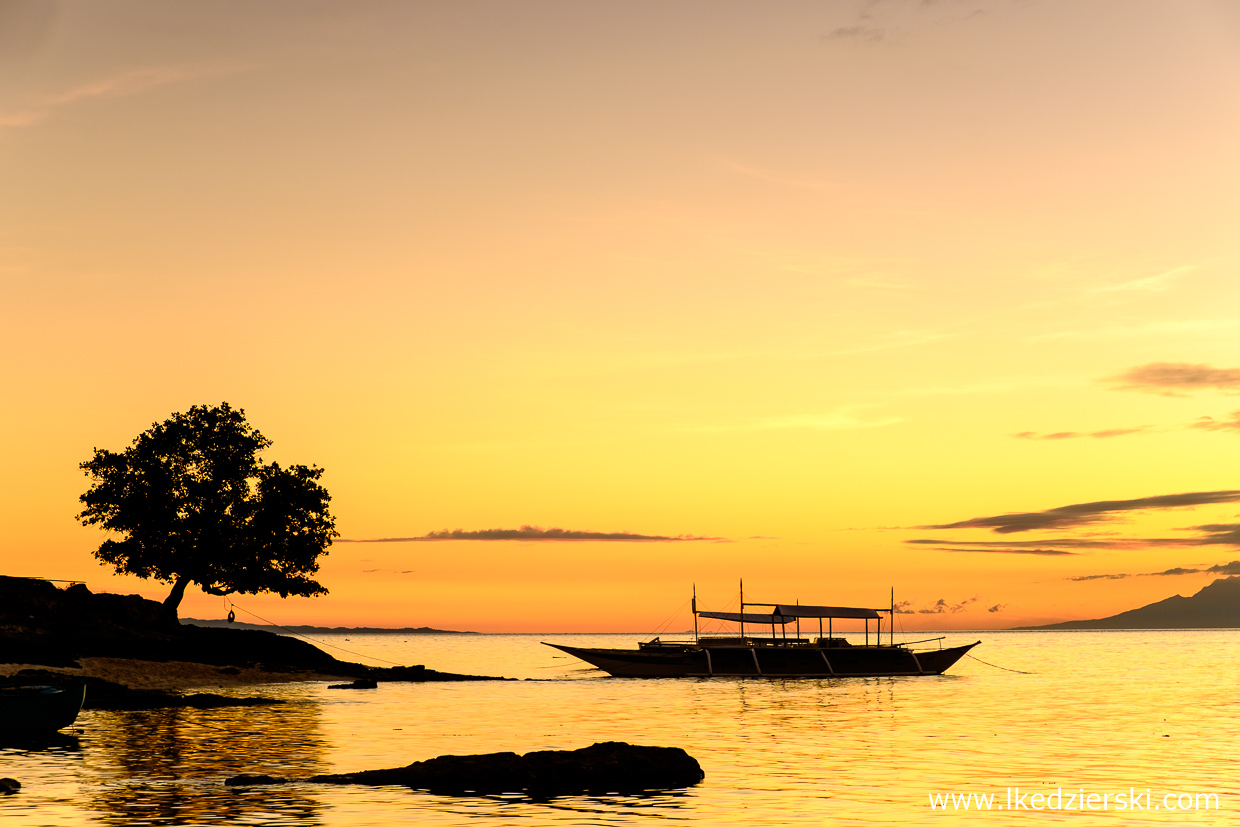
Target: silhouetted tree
(194,503)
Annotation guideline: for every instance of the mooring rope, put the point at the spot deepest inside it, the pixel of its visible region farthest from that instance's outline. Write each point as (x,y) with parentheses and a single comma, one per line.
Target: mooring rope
(308,638)
(669,620)
(1004,668)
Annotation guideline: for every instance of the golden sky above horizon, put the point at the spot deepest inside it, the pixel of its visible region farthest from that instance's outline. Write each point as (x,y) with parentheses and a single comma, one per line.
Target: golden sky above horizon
(828,283)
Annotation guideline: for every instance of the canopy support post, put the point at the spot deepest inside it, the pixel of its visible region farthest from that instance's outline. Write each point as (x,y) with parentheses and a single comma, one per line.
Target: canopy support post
(695,617)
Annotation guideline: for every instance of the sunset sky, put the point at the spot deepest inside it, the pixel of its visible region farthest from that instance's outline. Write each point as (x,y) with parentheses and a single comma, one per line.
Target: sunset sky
(835,297)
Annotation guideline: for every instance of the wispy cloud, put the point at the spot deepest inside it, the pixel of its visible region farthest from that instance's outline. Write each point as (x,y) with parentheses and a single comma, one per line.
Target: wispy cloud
(1190,326)
(1159,282)
(1221,535)
(892,341)
(1044,552)
(1080,514)
(118,85)
(1176,378)
(1209,423)
(1020,546)
(998,607)
(866,34)
(1227,424)
(785,179)
(1085,577)
(943,607)
(1222,568)
(1107,434)
(831,421)
(527,532)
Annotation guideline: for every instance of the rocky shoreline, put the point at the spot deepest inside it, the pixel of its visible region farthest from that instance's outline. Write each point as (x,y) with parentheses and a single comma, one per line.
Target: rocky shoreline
(130,642)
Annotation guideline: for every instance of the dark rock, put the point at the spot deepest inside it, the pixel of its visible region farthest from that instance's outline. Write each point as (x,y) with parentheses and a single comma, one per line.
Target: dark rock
(610,767)
(247,780)
(102,694)
(404,673)
(41,624)
(360,683)
(8,786)
(613,766)
(495,772)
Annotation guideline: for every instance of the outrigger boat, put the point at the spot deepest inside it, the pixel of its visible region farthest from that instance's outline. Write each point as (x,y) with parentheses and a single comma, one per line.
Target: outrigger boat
(26,709)
(776,656)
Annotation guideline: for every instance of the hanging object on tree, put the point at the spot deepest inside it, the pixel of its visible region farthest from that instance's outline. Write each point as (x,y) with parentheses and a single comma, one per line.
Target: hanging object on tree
(231,615)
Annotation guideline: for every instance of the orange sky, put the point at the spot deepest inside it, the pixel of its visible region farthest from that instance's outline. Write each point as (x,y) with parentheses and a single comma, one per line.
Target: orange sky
(800,276)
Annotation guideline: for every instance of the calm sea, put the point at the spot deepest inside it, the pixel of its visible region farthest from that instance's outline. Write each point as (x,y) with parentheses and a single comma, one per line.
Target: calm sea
(1143,714)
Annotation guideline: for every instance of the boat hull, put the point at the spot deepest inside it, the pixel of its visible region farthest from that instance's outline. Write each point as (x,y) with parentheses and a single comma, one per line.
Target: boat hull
(768,662)
(28,709)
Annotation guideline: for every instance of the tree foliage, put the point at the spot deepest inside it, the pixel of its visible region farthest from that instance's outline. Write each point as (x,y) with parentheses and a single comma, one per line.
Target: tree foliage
(194,503)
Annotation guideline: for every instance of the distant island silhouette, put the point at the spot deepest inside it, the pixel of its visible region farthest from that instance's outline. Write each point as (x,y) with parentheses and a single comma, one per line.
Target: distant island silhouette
(310,630)
(1217,606)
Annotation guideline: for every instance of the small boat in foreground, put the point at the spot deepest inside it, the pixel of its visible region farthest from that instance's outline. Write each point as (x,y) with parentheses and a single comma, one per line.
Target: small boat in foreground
(777,656)
(27,709)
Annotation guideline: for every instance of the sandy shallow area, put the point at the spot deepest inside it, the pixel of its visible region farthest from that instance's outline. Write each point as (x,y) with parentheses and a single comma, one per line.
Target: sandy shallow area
(173,675)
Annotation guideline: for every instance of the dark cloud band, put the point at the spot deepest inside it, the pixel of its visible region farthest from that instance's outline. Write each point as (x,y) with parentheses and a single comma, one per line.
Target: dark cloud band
(527,532)
(1176,378)
(1107,434)
(1231,568)
(1072,516)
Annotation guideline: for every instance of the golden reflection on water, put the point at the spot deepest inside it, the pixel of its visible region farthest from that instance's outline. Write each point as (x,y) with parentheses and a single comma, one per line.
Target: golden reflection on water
(1101,711)
(165,767)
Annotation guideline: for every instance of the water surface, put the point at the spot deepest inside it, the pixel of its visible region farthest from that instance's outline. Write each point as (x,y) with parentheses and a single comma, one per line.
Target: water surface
(1103,712)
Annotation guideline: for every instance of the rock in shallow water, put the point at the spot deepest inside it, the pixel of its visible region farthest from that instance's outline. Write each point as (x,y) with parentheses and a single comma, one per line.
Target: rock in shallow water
(360,683)
(609,767)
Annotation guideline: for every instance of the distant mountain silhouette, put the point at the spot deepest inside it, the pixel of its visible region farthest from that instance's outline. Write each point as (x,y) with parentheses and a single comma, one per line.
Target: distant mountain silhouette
(1217,606)
(310,630)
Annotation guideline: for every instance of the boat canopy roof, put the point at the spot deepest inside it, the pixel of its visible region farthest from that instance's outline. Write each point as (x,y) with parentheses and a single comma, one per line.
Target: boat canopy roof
(748,617)
(791,612)
(782,614)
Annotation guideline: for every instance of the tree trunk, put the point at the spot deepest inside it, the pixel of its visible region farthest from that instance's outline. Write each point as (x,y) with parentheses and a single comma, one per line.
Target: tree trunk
(173,600)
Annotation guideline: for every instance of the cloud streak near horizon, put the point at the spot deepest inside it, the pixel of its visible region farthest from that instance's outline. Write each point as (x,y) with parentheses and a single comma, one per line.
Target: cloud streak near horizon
(1107,434)
(1209,423)
(121,84)
(1176,378)
(1232,568)
(1081,514)
(1165,379)
(535,533)
(1044,552)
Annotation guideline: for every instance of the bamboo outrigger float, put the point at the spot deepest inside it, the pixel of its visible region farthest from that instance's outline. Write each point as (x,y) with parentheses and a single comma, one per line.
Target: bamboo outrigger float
(776,656)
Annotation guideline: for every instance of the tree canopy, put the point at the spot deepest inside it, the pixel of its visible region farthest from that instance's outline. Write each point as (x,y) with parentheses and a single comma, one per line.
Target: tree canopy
(194,503)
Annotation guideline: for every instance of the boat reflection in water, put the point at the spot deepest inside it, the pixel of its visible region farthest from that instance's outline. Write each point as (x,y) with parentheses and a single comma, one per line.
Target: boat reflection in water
(779,655)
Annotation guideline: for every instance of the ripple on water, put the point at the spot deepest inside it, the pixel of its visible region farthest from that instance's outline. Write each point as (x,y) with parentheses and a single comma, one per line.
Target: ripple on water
(1102,711)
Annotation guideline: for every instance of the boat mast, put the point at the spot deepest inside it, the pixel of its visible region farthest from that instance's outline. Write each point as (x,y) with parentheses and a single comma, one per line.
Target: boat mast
(892,636)
(694,602)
